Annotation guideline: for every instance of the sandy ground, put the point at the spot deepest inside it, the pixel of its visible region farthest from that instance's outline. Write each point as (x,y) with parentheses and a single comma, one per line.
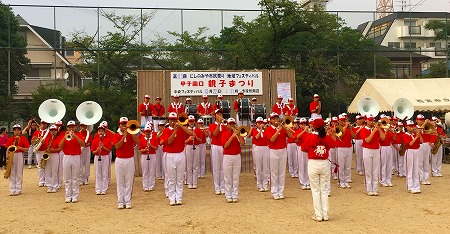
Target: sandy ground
(394,211)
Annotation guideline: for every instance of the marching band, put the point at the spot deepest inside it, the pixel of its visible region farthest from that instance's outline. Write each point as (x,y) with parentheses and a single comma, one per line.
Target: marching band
(315,150)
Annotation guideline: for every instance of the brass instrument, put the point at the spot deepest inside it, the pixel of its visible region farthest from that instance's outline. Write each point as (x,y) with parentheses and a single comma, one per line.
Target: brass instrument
(429,128)
(182,118)
(288,121)
(339,130)
(133,127)
(68,136)
(385,123)
(10,157)
(46,155)
(37,142)
(402,150)
(437,144)
(160,132)
(243,131)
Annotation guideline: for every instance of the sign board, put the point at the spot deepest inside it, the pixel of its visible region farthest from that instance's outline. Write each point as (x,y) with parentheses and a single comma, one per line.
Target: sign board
(284,89)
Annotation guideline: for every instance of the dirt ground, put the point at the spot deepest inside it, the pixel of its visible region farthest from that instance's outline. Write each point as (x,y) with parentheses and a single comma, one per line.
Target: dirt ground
(394,211)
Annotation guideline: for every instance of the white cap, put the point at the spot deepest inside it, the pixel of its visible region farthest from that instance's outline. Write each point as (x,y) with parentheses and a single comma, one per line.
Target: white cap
(273,115)
(220,96)
(259,120)
(173,115)
(146,96)
(200,121)
(420,116)
(59,123)
(382,116)
(265,121)
(53,127)
(191,118)
(303,120)
(316,95)
(341,117)
(204,96)
(434,118)
(147,128)
(123,120)
(410,123)
(290,99)
(17,126)
(104,124)
(231,120)
(176,96)
(188,99)
(71,123)
(280,97)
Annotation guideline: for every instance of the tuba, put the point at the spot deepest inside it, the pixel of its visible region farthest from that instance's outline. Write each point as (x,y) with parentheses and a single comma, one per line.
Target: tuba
(133,127)
(368,106)
(52,110)
(403,108)
(89,112)
(182,119)
(10,157)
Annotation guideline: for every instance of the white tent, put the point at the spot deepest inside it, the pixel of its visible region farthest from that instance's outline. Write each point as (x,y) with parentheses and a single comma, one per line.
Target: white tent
(425,94)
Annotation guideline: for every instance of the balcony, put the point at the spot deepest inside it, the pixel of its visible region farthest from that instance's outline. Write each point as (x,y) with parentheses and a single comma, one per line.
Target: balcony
(414,32)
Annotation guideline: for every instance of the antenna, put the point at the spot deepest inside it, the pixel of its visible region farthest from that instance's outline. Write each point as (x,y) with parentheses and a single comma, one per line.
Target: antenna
(384,8)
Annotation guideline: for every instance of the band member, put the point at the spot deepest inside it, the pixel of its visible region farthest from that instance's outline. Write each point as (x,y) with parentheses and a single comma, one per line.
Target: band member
(3,139)
(146,110)
(158,109)
(260,154)
(204,108)
(124,164)
(413,139)
(393,127)
(216,130)
(41,135)
(344,153)
(21,144)
(176,106)
(192,154)
(173,139)
(371,136)
(52,164)
(315,107)
(148,145)
(252,109)
(231,142)
(277,134)
(386,157)
(204,133)
(358,143)
(290,108)
(317,146)
(218,104)
(159,154)
(60,134)
(397,144)
(237,105)
(101,147)
(85,168)
(29,131)
(425,151)
(436,159)
(279,107)
(109,134)
(300,135)
(292,151)
(333,149)
(71,145)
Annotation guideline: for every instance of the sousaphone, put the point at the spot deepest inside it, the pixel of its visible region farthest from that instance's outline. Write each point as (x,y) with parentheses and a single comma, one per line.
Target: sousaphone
(403,108)
(52,110)
(368,106)
(89,112)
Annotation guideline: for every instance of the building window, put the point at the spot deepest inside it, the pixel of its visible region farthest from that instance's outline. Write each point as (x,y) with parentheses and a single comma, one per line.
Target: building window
(394,44)
(414,30)
(400,71)
(435,44)
(37,73)
(69,52)
(410,45)
(410,23)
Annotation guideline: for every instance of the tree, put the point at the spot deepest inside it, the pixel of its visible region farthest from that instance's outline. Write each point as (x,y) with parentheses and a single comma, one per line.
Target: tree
(438,70)
(13,43)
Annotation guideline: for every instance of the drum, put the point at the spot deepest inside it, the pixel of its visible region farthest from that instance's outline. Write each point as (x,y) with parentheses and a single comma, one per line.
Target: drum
(259,110)
(191,109)
(207,120)
(226,111)
(244,108)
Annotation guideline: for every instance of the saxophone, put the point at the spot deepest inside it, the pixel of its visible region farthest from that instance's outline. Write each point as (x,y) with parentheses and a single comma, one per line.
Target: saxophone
(46,155)
(436,145)
(10,156)
(402,150)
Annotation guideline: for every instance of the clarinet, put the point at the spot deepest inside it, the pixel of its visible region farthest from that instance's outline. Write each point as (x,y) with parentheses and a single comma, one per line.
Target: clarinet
(193,139)
(99,153)
(148,147)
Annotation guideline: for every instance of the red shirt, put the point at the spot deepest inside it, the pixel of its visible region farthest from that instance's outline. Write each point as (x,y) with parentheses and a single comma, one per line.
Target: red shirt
(346,139)
(408,138)
(127,148)
(313,106)
(106,143)
(143,108)
(158,110)
(318,148)
(216,140)
(72,147)
(279,108)
(175,107)
(374,143)
(291,110)
(235,147)
(426,137)
(84,135)
(236,105)
(22,142)
(55,141)
(399,138)
(202,135)
(280,142)
(291,139)
(205,108)
(41,133)
(153,140)
(177,145)
(262,141)
(388,139)
(197,132)
(301,139)
(355,129)
(440,132)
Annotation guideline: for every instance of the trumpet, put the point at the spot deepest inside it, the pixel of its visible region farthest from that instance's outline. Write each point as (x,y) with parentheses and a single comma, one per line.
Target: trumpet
(182,118)
(69,136)
(133,127)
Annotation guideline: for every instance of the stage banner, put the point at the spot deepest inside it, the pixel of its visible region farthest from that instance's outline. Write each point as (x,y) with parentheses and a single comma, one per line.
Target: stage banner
(215,82)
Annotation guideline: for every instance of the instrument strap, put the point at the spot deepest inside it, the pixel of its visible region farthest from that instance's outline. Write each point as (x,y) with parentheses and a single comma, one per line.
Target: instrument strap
(87,136)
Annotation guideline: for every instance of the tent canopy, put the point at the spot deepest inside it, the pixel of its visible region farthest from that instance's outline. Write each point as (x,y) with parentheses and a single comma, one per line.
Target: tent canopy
(425,94)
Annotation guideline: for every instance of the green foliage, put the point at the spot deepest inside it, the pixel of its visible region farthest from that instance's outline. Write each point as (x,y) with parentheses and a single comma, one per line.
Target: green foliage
(441,29)
(438,70)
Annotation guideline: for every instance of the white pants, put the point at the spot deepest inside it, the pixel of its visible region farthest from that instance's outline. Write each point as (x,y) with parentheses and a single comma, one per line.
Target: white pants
(412,169)
(371,158)
(159,162)
(394,160)
(192,167)
(292,159)
(101,169)
(109,166)
(278,159)
(202,154)
(60,169)
(436,162)
(386,165)
(333,159)
(231,171)
(30,155)
(15,178)
(217,167)
(319,176)
(315,116)
(262,166)
(344,160)
(144,120)
(359,155)
(51,171)
(41,171)
(400,166)
(148,165)
(124,179)
(71,168)
(424,162)
(175,165)
(302,159)
(85,164)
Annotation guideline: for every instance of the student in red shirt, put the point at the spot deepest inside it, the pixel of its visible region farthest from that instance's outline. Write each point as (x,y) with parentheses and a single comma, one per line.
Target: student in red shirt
(85,169)
(158,109)
(302,157)
(396,144)
(436,159)
(217,105)
(160,168)
(145,110)
(204,108)
(21,145)
(412,139)
(386,156)
(231,142)
(173,141)
(52,164)
(292,151)
(71,145)
(290,109)
(318,145)
(148,145)
(203,134)
(277,135)
(216,152)
(101,147)
(358,143)
(315,107)
(124,164)
(59,135)
(344,153)
(425,151)
(42,133)
(260,155)
(236,104)
(192,154)
(176,106)
(279,107)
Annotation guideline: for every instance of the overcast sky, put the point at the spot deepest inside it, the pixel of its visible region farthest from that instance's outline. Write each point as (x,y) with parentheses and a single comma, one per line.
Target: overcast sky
(69,20)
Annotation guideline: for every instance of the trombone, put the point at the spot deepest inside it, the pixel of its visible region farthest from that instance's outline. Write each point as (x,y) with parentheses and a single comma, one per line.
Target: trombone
(243,131)
(133,127)
(385,123)
(288,121)
(182,119)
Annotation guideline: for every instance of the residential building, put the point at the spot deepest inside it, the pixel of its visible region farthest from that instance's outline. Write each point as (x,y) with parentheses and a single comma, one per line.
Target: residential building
(311,4)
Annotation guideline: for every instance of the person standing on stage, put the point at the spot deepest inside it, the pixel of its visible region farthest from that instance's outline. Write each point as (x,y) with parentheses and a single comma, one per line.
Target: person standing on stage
(371,135)
(29,131)
(71,145)
(176,106)
(173,141)
(260,154)
(158,109)
(231,142)
(279,106)
(42,134)
(344,153)
(204,133)
(148,145)
(358,143)
(277,135)
(436,159)
(3,139)
(101,147)
(412,139)
(146,110)
(290,109)
(52,164)
(315,107)
(21,143)
(218,104)
(237,105)
(192,154)
(85,168)
(204,108)
(317,146)
(216,152)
